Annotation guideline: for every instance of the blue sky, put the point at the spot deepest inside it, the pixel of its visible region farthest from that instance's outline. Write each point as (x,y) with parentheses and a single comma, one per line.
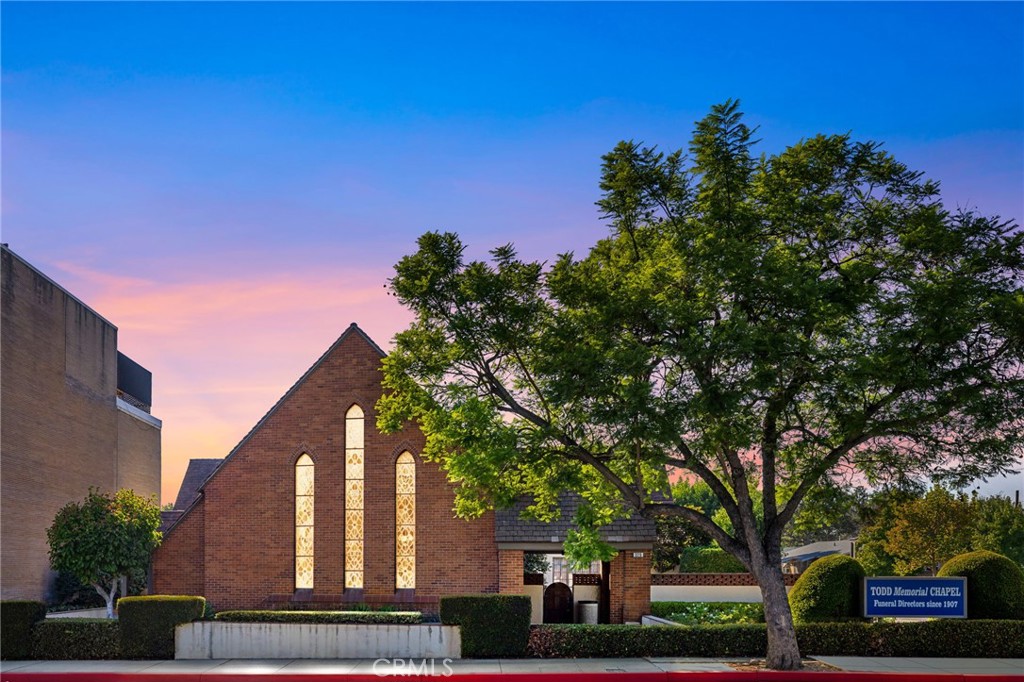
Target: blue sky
(230,183)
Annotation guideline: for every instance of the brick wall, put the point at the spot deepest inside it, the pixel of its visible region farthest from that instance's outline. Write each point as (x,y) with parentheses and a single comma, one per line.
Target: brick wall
(713,579)
(510,571)
(138,455)
(59,422)
(629,586)
(178,563)
(249,503)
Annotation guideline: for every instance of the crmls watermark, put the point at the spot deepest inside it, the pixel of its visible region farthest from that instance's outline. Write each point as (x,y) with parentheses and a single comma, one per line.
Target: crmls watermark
(424,667)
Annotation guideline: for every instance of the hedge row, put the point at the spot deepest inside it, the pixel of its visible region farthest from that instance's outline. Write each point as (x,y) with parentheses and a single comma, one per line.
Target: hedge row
(17,618)
(147,623)
(938,638)
(378,617)
(709,612)
(492,625)
(76,639)
(709,560)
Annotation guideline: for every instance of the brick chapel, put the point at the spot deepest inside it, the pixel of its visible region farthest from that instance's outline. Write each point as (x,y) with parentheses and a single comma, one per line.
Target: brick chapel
(315,508)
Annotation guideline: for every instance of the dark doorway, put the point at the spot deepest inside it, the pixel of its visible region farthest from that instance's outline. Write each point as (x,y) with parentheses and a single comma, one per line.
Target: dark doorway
(604,599)
(558,603)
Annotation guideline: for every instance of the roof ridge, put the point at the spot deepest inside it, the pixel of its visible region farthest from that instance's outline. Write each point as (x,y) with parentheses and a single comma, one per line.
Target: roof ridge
(353,328)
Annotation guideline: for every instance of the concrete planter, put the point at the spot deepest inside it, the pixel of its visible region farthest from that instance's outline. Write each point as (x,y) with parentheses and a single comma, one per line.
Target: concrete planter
(212,639)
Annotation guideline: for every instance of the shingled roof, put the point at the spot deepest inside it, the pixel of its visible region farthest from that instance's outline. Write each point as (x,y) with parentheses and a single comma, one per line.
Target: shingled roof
(198,471)
(510,528)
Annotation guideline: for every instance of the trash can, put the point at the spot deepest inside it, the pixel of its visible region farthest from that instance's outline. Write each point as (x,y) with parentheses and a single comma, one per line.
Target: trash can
(586,612)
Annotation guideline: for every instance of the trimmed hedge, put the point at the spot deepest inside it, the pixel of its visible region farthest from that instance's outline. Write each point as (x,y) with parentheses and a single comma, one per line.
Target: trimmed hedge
(709,560)
(492,625)
(377,617)
(17,618)
(709,612)
(630,641)
(147,623)
(933,639)
(828,591)
(76,639)
(995,584)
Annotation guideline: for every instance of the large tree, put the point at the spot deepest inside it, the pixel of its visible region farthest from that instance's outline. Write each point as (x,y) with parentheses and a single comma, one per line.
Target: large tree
(104,539)
(757,323)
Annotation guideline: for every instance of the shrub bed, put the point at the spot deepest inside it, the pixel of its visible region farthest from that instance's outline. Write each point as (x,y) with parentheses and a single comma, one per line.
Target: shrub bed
(491,625)
(933,639)
(375,617)
(17,618)
(76,639)
(709,560)
(709,612)
(147,623)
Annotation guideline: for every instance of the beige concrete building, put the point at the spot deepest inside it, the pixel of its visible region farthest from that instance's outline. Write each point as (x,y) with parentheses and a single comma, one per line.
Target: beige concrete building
(74,413)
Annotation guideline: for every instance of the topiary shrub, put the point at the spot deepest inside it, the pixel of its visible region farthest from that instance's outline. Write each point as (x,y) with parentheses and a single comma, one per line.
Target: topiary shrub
(995,584)
(709,560)
(17,618)
(76,639)
(828,591)
(492,625)
(147,623)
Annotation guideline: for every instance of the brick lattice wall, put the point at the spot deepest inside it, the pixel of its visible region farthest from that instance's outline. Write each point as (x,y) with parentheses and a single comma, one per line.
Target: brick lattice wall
(713,579)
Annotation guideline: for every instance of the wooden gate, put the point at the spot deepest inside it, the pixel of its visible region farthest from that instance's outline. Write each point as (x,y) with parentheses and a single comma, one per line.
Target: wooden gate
(557,603)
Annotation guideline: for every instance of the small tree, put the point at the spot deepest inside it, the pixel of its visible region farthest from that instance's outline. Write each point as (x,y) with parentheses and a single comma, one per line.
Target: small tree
(928,532)
(104,539)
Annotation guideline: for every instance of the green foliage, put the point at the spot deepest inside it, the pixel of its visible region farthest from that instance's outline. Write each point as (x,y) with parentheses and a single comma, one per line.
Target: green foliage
(674,535)
(879,515)
(147,623)
(709,560)
(629,641)
(754,321)
(829,512)
(103,538)
(995,584)
(535,563)
(376,617)
(952,638)
(938,638)
(927,532)
(17,618)
(829,590)
(77,639)
(999,527)
(492,625)
(709,612)
(847,638)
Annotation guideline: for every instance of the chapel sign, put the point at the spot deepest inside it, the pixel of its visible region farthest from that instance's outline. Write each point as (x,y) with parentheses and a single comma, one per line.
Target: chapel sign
(915,597)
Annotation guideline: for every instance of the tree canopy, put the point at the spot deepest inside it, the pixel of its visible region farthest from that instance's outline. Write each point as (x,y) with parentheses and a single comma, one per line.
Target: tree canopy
(104,538)
(755,322)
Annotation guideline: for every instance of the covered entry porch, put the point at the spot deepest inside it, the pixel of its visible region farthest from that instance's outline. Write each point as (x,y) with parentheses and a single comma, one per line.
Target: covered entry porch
(621,587)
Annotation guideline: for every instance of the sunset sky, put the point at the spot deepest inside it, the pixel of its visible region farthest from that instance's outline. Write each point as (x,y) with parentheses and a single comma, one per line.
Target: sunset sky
(231,183)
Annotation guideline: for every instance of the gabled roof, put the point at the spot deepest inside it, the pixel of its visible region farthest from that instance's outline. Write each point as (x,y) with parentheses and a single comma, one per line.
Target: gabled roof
(195,476)
(510,528)
(352,329)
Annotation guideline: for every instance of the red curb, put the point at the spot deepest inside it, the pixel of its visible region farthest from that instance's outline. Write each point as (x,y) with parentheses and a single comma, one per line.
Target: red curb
(673,676)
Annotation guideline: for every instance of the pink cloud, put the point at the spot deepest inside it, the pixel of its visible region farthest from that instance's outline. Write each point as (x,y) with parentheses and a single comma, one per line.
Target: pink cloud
(222,351)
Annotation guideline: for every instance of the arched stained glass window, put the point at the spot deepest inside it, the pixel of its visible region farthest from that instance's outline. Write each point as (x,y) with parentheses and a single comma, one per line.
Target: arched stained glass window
(354,455)
(405,522)
(304,523)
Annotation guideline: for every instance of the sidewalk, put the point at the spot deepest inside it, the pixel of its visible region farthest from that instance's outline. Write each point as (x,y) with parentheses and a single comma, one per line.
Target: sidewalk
(522,670)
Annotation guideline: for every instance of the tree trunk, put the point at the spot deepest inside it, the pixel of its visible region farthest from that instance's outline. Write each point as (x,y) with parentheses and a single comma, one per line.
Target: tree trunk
(783,652)
(108,596)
